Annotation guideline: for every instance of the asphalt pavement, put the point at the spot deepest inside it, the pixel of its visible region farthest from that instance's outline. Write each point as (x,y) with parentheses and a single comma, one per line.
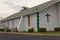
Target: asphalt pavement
(7,36)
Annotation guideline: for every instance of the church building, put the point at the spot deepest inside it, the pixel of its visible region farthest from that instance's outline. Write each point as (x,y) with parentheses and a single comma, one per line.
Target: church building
(46,15)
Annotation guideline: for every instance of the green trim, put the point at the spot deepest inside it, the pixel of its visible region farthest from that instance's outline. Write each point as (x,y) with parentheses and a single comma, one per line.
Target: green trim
(37,21)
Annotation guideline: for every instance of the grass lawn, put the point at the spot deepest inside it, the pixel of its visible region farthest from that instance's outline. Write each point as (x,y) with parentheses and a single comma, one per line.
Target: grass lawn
(50,32)
(44,32)
(35,33)
(40,32)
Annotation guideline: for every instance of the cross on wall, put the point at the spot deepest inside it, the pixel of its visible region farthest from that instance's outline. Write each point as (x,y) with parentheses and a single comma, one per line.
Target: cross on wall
(47,15)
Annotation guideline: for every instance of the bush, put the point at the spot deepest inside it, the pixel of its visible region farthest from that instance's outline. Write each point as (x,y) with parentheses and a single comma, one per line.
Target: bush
(1,29)
(14,30)
(24,31)
(57,29)
(31,30)
(42,29)
(7,29)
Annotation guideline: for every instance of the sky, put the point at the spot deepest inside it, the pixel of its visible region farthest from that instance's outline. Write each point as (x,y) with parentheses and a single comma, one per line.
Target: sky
(9,7)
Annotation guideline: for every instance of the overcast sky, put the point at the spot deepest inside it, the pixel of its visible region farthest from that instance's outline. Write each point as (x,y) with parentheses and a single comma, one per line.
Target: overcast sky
(9,7)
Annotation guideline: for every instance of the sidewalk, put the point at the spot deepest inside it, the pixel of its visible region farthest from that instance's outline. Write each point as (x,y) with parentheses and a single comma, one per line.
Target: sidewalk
(34,34)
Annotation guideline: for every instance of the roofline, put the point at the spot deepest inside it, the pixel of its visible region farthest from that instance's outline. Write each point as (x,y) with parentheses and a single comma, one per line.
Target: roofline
(31,10)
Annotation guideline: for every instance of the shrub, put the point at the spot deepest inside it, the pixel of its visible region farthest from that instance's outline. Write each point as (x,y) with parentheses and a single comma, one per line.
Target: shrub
(24,31)
(42,29)
(31,30)
(7,29)
(57,29)
(14,30)
(1,29)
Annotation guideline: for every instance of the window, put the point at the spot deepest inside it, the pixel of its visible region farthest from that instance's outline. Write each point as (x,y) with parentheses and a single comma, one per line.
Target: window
(28,20)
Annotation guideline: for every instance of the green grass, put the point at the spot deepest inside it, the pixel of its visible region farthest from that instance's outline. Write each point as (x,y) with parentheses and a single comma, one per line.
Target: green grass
(50,32)
(45,32)
(38,32)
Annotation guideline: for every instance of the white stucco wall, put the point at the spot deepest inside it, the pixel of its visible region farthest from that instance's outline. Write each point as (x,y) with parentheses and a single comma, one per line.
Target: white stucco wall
(33,21)
(6,23)
(16,22)
(0,24)
(11,24)
(58,14)
(22,24)
(53,21)
(52,10)
(3,24)
(26,23)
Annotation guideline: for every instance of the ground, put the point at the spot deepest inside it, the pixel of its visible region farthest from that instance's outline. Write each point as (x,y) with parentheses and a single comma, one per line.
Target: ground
(9,36)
